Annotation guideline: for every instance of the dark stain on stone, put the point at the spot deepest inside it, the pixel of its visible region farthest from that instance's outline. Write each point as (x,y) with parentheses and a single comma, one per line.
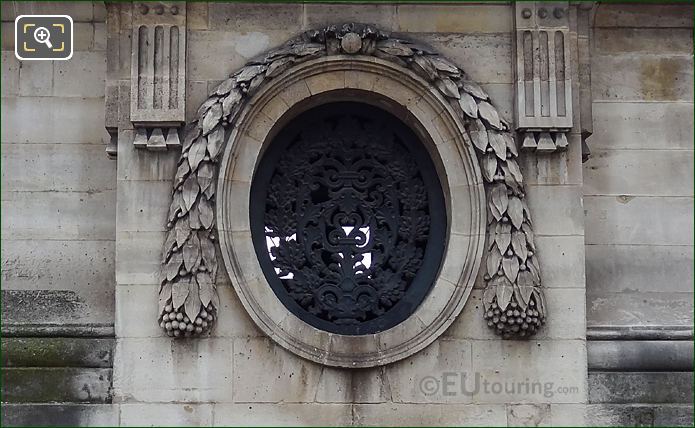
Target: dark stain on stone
(659,78)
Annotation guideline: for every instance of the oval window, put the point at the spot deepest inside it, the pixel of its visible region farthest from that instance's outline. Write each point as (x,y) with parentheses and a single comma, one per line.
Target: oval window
(348,218)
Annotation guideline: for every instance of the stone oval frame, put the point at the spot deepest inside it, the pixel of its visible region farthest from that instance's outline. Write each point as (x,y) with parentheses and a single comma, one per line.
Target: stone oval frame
(401,92)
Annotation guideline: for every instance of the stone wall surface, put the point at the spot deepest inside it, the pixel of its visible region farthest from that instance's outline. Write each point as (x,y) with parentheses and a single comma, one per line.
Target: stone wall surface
(638,187)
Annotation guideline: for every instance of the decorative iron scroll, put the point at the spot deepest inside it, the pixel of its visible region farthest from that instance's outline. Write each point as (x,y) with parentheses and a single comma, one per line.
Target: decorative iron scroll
(513,301)
(344,211)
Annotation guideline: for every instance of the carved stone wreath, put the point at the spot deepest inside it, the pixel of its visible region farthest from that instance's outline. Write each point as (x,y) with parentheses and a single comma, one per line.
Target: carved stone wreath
(513,302)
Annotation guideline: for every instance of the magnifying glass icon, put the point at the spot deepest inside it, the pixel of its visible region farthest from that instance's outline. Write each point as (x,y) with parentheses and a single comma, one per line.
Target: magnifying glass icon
(42,35)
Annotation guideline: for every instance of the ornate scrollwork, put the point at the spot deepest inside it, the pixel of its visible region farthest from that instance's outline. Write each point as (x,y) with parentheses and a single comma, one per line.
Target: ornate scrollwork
(513,301)
(344,211)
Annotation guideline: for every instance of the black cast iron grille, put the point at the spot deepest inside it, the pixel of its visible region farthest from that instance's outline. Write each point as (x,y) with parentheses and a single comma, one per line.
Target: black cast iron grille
(348,218)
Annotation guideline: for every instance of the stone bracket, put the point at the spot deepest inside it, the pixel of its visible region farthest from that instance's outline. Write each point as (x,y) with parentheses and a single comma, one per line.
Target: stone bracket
(158,73)
(157,138)
(543,84)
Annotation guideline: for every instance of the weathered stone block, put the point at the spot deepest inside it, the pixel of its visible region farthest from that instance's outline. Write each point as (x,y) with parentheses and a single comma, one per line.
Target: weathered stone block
(433,375)
(472,18)
(265,372)
(561,259)
(649,78)
(57,352)
(91,69)
(639,268)
(143,205)
(56,384)
(640,387)
(139,256)
(174,414)
(169,370)
(638,172)
(539,371)
(58,215)
(564,216)
(68,415)
(10,74)
(74,120)
(627,219)
(528,415)
(655,16)
(245,18)
(197,16)
(33,79)
(57,167)
(636,308)
(635,125)
(284,414)
(321,15)
(640,355)
(353,386)
(392,414)
(636,41)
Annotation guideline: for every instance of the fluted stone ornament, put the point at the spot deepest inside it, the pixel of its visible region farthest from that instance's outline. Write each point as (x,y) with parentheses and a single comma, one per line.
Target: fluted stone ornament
(513,302)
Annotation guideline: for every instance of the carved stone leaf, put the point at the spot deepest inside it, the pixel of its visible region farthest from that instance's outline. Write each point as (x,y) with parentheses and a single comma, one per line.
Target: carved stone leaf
(208,252)
(394,47)
(489,166)
(214,142)
(212,118)
(489,295)
(205,174)
(515,211)
(164,295)
(192,305)
(475,90)
(510,265)
(519,245)
(278,66)
(255,83)
(191,135)
(194,218)
(514,170)
(205,106)
(469,106)
(503,236)
(448,87)
(225,87)
(182,233)
(206,213)
(494,258)
(488,113)
(509,179)
(191,252)
(181,173)
(499,197)
(529,235)
(230,101)
(249,72)
(424,67)
(210,192)
(190,191)
(175,207)
(304,49)
(442,64)
(535,272)
(497,143)
(205,287)
(169,245)
(504,292)
(540,299)
(173,266)
(197,153)
(479,135)
(511,143)
(525,283)
(179,292)
(527,212)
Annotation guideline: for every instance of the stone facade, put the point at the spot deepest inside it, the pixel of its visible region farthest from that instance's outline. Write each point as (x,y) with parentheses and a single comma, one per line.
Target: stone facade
(82,239)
